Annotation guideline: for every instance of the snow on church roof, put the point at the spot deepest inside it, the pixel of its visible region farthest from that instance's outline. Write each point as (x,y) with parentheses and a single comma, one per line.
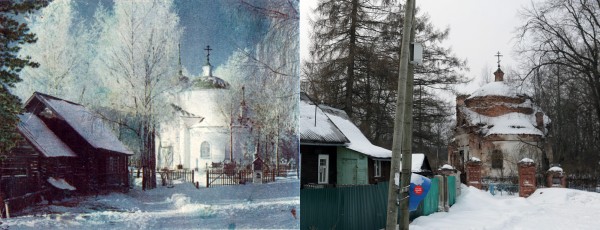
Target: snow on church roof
(85,123)
(358,141)
(497,88)
(44,140)
(510,123)
(210,82)
(324,132)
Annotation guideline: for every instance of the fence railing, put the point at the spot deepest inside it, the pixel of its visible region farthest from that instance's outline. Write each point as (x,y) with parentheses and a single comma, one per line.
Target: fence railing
(224,177)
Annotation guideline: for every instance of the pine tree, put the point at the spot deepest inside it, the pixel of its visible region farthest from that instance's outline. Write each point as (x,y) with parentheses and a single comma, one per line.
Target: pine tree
(374,68)
(15,33)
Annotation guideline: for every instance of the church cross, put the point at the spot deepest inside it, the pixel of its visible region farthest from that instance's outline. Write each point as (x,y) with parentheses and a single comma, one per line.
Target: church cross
(498,55)
(208,49)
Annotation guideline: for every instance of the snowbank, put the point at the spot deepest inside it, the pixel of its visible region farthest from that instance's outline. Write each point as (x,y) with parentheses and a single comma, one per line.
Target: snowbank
(248,206)
(548,208)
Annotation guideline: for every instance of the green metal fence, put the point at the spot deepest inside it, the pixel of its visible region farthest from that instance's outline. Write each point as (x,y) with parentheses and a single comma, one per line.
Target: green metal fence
(451,190)
(358,207)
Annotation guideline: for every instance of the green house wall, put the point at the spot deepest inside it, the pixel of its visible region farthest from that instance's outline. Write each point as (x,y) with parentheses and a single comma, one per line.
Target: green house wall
(352,167)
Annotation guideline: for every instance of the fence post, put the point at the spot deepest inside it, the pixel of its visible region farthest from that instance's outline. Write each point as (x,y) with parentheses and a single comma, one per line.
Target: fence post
(442,193)
(6,208)
(192,176)
(207,174)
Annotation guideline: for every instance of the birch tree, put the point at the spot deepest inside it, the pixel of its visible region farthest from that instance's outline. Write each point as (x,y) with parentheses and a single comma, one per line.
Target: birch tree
(63,51)
(138,56)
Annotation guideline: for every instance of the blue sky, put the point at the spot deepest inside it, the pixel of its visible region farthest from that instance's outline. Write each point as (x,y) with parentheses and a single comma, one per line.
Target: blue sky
(223,25)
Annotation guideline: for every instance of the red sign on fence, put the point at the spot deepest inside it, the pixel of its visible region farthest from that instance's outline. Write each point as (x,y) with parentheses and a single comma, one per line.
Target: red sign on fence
(418,190)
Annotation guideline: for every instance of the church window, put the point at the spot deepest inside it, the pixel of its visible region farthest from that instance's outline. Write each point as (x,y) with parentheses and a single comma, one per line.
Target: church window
(497,159)
(205,150)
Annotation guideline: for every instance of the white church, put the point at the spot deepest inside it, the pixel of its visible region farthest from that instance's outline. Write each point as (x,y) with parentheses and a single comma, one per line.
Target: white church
(208,128)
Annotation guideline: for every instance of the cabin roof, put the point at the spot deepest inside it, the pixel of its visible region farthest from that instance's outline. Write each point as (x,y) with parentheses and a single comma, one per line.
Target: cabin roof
(358,141)
(315,125)
(86,123)
(42,138)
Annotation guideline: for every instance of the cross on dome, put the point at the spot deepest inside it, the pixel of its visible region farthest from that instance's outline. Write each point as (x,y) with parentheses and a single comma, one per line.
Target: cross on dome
(498,55)
(208,49)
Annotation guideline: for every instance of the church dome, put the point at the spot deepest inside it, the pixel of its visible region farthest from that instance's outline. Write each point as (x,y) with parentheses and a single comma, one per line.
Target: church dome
(209,82)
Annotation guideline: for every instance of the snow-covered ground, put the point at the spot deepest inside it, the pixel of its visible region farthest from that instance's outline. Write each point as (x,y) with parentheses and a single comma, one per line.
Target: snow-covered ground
(250,206)
(547,208)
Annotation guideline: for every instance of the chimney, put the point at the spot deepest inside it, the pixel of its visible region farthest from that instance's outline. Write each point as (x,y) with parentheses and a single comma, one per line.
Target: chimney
(499,75)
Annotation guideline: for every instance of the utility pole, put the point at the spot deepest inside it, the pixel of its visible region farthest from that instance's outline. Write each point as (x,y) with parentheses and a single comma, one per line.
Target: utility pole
(398,195)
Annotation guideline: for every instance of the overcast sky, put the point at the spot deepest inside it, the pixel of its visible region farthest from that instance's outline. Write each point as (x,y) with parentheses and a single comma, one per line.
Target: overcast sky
(478,29)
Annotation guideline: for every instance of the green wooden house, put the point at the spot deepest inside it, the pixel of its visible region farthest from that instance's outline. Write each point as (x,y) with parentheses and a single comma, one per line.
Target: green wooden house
(334,151)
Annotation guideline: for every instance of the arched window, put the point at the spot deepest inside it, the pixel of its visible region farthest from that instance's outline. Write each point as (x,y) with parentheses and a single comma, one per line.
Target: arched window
(497,159)
(205,150)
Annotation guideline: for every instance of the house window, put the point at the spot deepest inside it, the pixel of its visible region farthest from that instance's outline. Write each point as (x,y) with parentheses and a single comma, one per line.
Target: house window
(205,150)
(112,165)
(323,169)
(497,159)
(377,168)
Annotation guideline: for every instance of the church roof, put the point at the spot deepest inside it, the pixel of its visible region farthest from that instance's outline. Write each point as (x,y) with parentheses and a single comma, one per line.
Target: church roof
(497,88)
(209,82)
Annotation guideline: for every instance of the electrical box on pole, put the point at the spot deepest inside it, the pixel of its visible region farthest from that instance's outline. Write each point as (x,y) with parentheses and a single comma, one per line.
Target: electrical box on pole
(416,53)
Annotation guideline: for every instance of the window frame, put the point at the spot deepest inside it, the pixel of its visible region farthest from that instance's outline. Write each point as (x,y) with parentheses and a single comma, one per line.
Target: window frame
(323,172)
(205,145)
(497,159)
(377,168)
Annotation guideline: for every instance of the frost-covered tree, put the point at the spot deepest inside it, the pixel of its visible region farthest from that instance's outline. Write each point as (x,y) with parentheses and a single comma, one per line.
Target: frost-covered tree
(137,62)
(63,51)
(270,75)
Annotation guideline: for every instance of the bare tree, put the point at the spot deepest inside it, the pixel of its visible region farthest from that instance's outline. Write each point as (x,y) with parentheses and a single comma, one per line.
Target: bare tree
(559,42)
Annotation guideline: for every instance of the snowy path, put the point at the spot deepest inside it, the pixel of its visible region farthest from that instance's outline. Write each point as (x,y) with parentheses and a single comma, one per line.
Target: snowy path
(182,207)
(554,208)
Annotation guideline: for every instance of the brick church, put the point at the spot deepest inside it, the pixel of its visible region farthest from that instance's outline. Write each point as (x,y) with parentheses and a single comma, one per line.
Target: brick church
(499,126)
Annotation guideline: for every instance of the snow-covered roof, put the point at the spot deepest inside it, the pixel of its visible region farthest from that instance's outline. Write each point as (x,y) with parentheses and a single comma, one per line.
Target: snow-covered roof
(43,139)
(474,159)
(497,88)
(358,141)
(417,162)
(555,169)
(86,124)
(526,160)
(447,166)
(510,123)
(317,129)
(60,184)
